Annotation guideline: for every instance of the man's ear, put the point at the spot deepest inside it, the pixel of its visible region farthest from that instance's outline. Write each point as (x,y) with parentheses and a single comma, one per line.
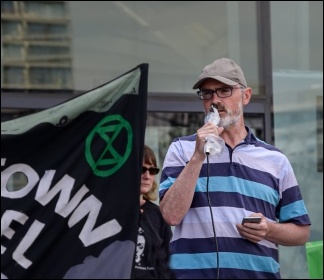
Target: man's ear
(247,94)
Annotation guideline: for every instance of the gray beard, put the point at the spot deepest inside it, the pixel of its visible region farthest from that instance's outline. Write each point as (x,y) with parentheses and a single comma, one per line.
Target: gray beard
(231,119)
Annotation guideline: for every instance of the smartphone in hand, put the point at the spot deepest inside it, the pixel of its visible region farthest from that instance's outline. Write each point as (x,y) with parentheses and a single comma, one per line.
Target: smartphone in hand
(251,220)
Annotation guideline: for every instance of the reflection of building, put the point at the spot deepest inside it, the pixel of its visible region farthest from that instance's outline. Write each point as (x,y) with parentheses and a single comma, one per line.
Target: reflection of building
(35,45)
(283,65)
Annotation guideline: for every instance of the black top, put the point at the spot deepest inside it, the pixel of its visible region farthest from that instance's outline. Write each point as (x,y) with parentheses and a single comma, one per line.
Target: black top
(152,251)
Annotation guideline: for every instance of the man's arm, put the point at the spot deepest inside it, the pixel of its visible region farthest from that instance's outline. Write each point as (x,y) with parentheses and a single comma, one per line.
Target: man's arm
(286,234)
(177,200)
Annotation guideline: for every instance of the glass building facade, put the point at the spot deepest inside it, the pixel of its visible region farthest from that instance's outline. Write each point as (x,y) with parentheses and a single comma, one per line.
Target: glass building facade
(54,50)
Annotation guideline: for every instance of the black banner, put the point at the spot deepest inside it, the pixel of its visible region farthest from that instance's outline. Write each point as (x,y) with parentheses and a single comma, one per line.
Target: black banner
(70,181)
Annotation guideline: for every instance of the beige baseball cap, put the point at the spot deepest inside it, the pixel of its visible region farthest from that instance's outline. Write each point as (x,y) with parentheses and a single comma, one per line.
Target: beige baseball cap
(224,70)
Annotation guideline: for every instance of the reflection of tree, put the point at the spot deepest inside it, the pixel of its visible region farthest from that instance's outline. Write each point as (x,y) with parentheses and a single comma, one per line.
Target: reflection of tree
(173,125)
(256,123)
(185,123)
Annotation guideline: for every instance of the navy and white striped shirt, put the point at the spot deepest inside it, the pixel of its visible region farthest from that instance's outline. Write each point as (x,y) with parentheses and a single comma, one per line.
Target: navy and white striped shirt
(253,177)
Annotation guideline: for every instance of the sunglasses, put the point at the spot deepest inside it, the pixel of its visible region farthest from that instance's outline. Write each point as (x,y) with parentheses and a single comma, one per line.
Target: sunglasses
(151,170)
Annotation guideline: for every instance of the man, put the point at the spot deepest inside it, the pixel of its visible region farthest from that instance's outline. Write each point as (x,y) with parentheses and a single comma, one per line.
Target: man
(206,197)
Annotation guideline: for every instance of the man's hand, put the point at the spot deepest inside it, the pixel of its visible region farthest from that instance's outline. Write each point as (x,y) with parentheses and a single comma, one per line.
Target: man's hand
(254,232)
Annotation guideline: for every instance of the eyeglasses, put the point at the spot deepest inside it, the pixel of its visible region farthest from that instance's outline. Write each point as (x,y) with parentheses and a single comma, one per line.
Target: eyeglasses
(151,170)
(205,94)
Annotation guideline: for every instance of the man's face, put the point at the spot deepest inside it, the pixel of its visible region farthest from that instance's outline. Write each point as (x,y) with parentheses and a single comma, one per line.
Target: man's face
(230,109)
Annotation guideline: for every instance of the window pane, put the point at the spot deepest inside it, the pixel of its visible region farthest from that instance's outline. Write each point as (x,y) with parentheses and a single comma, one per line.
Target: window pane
(12,52)
(10,28)
(46,9)
(50,77)
(176,38)
(47,50)
(46,29)
(13,76)
(297,92)
(7,7)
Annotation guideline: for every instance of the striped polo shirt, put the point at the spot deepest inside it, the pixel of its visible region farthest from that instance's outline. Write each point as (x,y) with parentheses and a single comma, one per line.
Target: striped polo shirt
(253,177)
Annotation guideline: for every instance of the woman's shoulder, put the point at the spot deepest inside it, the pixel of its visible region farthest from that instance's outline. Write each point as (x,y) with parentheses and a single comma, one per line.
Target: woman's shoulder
(150,204)
(152,209)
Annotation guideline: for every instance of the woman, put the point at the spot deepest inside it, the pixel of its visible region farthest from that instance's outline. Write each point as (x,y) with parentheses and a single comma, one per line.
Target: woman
(154,234)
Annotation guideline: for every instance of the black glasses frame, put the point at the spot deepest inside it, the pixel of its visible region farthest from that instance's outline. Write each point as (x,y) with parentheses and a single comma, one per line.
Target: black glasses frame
(151,170)
(219,92)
